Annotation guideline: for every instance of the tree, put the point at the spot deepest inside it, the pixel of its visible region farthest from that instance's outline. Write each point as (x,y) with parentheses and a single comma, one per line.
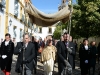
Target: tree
(85,20)
(57,33)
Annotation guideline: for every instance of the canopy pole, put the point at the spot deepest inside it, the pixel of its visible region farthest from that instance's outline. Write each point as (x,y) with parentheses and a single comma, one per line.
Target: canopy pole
(70,16)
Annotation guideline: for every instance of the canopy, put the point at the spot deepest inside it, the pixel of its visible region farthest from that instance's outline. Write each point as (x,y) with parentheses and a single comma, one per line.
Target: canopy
(42,19)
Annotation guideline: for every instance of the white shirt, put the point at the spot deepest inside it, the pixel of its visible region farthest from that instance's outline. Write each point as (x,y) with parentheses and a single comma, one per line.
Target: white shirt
(6,43)
(86,47)
(26,44)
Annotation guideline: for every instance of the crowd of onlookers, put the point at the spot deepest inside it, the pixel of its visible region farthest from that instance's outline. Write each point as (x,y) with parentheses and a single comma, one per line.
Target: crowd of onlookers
(51,51)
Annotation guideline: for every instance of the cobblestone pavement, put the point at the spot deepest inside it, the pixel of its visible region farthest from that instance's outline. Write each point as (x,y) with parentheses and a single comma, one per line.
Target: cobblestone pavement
(40,68)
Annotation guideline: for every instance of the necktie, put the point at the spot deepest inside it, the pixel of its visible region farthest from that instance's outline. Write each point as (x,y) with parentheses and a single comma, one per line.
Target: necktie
(66,44)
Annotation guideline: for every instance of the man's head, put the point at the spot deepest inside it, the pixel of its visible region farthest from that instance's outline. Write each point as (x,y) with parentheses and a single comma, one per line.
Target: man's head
(14,39)
(93,43)
(7,37)
(70,38)
(66,37)
(33,39)
(40,39)
(26,38)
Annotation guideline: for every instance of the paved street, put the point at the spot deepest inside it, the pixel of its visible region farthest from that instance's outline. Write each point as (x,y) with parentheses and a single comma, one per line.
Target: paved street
(40,68)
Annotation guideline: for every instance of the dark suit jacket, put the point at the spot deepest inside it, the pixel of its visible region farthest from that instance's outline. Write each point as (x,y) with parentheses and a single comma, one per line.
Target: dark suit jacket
(62,54)
(29,55)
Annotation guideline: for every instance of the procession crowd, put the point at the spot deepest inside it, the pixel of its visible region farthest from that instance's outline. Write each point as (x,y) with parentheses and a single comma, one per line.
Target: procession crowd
(50,51)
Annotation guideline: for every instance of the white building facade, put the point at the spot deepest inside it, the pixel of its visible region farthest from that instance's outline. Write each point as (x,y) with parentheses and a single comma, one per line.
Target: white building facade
(43,32)
(14,21)
(11,18)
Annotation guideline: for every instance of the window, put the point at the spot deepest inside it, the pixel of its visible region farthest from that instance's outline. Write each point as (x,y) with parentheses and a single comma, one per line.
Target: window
(14,31)
(50,30)
(40,29)
(16,6)
(2,5)
(21,33)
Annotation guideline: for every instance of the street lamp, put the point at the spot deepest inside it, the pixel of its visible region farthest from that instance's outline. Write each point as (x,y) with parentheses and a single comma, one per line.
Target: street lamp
(10,22)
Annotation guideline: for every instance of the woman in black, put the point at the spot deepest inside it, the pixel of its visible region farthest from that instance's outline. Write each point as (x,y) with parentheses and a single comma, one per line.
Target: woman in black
(93,52)
(7,48)
(84,55)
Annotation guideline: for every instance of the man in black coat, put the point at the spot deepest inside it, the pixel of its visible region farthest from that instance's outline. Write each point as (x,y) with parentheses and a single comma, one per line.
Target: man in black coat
(64,48)
(29,55)
(7,48)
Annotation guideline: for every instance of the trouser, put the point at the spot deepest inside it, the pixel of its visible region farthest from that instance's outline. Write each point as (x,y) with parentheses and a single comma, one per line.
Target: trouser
(48,73)
(28,71)
(98,58)
(35,65)
(93,70)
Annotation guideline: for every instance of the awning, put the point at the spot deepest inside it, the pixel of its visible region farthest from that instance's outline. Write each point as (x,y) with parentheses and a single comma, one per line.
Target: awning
(42,19)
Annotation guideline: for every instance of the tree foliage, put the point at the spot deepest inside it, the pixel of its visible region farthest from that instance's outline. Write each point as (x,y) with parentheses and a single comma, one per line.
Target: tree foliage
(58,31)
(85,19)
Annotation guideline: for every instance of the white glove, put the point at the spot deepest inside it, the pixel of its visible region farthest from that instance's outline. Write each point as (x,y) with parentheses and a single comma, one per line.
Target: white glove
(86,61)
(4,56)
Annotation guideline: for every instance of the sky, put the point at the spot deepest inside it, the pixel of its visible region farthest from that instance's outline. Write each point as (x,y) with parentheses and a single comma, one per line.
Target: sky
(47,6)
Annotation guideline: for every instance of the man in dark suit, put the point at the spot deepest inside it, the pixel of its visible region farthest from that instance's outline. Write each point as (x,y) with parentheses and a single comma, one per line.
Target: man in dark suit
(64,48)
(29,55)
